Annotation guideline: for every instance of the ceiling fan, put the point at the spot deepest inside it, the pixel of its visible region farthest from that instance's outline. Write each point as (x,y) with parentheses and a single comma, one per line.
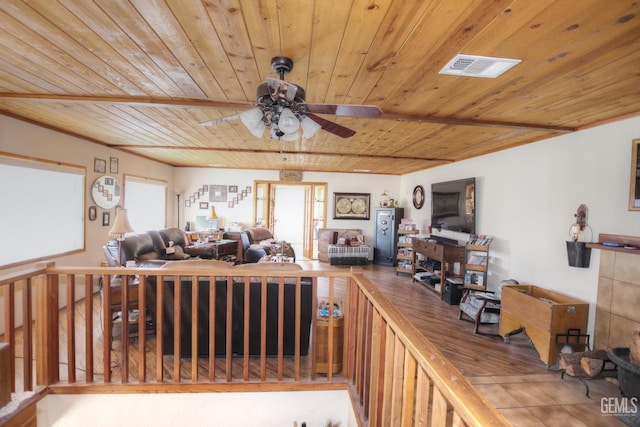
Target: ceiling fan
(281,107)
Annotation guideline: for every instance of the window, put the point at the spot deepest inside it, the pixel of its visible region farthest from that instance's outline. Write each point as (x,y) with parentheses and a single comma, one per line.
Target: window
(42,210)
(146,203)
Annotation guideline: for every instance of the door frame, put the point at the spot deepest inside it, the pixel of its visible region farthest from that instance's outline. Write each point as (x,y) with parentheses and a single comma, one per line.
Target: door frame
(315,209)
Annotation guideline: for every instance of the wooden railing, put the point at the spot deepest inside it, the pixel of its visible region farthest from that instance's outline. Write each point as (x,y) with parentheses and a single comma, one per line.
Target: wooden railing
(394,375)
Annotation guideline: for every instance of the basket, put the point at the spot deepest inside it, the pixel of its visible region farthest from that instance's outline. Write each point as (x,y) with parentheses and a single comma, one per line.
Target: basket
(628,373)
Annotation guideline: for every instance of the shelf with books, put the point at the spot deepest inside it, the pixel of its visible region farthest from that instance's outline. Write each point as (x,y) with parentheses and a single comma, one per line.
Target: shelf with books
(407,230)
(476,263)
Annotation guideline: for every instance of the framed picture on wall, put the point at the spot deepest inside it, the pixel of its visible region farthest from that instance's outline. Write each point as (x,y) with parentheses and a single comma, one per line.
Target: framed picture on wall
(204,205)
(99,165)
(351,205)
(106,218)
(217,193)
(92,213)
(113,164)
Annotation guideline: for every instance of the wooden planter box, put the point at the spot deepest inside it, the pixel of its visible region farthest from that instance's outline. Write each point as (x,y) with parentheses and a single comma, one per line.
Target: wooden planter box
(543,314)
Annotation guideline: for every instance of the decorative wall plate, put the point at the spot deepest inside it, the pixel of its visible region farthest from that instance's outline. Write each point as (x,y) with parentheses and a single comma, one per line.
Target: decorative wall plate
(418,197)
(106,192)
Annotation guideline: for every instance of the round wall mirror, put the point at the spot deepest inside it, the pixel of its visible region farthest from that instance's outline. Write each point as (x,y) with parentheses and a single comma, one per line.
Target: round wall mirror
(106,192)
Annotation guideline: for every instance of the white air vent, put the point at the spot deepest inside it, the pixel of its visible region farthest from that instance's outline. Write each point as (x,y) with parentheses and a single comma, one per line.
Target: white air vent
(478,66)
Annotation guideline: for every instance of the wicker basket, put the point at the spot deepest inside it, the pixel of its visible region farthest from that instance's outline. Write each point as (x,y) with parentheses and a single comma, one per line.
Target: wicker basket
(322,349)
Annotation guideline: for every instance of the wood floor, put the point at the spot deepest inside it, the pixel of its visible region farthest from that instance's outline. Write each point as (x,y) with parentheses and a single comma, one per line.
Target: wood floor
(511,376)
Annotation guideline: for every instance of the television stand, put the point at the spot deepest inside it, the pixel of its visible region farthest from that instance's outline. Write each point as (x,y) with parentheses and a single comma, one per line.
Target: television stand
(445,251)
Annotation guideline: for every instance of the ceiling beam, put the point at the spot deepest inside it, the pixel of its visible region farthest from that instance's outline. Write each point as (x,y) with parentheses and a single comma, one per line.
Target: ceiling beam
(290,152)
(239,105)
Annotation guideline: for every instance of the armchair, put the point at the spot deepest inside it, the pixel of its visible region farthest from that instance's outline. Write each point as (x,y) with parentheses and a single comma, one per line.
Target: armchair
(252,253)
(483,307)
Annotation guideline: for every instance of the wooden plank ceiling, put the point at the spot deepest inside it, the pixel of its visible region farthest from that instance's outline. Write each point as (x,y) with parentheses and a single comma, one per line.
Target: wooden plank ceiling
(140,75)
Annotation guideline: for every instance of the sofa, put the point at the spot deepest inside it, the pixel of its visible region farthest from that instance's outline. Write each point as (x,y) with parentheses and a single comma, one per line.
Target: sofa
(151,246)
(259,240)
(326,236)
(237,313)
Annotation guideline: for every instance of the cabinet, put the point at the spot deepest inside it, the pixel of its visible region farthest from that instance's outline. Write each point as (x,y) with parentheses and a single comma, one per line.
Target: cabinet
(437,264)
(543,314)
(404,254)
(476,264)
(386,235)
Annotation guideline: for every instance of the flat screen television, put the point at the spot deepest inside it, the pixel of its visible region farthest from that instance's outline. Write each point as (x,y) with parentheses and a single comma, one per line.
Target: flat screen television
(453,205)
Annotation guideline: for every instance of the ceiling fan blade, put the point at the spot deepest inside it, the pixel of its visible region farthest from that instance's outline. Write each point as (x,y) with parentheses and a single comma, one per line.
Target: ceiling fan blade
(220,120)
(332,127)
(367,111)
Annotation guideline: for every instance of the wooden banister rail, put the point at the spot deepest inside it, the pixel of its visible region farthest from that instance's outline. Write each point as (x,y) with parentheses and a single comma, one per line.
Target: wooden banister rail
(393,373)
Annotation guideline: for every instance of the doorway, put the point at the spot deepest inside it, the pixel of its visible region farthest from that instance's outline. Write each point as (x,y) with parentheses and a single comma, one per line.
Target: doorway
(293,211)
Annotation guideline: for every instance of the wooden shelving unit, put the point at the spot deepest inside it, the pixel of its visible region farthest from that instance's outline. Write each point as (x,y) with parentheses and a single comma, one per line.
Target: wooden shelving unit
(404,250)
(436,253)
(476,265)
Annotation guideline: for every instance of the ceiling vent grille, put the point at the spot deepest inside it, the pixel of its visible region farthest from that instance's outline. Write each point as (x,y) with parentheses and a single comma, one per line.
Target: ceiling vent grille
(478,66)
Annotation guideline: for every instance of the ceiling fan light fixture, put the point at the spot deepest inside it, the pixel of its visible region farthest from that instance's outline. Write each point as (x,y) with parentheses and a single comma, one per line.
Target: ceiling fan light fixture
(287,122)
(251,118)
(289,137)
(309,127)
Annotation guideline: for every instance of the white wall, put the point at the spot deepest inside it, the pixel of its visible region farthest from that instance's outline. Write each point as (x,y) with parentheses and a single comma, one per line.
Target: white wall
(18,137)
(526,197)
(188,180)
(198,409)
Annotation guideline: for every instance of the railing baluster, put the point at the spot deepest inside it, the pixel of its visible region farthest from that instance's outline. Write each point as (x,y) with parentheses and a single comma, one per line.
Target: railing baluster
(142,329)
(280,328)
(159,328)
(228,352)
(212,329)
(106,323)
(88,327)
(263,329)
(195,292)
(246,328)
(10,328)
(124,329)
(177,321)
(298,312)
(71,327)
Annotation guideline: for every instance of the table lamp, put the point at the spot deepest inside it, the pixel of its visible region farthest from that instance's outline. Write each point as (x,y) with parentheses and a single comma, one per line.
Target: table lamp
(120,227)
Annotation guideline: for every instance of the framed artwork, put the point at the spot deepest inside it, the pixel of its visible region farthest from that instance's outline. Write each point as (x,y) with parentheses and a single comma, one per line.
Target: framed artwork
(248,189)
(634,186)
(187,203)
(99,165)
(418,197)
(92,213)
(351,205)
(106,218)
(230,204)
(217,193)
(233,189)
(192,199)
(204,205)
(113,164)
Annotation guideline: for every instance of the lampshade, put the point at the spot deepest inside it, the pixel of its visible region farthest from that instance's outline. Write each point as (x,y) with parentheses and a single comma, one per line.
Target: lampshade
(288,123)
(252,119)
(212,214)
(120,225)
(290,136)
(309,127)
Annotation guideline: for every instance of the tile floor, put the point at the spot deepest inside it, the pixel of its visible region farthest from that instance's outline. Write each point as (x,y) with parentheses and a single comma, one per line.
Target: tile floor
(548,400)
